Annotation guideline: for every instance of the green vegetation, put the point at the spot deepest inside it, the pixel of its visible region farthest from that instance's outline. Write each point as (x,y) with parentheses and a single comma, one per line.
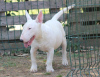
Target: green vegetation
(44,60)
(59,76)
(47,73)
(40,57)
(9,64)
(22,12)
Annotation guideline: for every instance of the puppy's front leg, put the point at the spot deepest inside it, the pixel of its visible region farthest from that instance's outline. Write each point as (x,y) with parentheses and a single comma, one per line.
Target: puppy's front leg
(33,60)
(50,54)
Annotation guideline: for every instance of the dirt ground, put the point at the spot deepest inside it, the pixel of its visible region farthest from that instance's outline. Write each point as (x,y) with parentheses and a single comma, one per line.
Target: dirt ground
(14,66)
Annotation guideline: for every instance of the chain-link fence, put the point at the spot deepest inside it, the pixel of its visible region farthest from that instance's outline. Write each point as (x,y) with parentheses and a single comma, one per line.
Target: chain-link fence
(82,26)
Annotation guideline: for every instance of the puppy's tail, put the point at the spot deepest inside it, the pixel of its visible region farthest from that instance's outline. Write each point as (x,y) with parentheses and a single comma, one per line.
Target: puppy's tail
(56,16)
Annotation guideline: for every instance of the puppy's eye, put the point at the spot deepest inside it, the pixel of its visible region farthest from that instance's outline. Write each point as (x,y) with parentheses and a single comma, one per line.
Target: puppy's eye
(29,28)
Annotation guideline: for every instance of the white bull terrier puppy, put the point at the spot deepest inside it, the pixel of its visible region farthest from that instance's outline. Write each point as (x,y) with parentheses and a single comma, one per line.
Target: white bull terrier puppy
(46,37)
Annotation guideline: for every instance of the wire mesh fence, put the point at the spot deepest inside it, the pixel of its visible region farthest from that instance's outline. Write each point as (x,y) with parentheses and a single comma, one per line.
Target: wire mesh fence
(81,24)
(84,38)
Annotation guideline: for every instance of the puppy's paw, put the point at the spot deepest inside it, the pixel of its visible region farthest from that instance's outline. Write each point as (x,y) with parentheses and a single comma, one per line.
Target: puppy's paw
(49,69)
(33,69)
(65,62)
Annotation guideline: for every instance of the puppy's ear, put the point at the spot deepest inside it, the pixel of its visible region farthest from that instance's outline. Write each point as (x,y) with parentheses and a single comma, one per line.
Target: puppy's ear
(39,18)
(27,16)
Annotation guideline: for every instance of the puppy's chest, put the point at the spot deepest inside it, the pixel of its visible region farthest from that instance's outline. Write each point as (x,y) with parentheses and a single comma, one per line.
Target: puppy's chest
(42,45)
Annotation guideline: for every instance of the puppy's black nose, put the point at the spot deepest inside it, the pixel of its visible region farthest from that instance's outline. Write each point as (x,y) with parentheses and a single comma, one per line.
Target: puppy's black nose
(21,40)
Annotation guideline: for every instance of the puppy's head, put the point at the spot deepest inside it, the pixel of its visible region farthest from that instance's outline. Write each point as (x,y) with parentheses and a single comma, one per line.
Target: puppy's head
(31,28)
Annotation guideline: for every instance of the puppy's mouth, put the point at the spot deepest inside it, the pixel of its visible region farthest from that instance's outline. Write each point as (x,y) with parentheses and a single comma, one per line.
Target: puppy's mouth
(26,44)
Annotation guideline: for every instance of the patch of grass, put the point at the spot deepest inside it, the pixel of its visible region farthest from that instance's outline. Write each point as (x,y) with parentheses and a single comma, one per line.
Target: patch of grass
(44,60)
(5,53)
(9,64)
(14,57)
(40,57)
(59,67)
(11,57)
(59,76)
(47,73)
(13,51)
(28,58)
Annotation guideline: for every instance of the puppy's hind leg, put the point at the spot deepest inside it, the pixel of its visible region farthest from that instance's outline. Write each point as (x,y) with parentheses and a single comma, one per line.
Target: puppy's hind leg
(50,55)
(64,53)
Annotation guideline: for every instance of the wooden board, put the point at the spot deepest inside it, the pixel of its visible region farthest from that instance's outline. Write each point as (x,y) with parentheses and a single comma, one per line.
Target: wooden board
(83,17)
(84,3)
(30,5)
(75,29)
(16,20)
(10,35)
(53,10)
(79,29)
(11,46)
(91,42)
(86,43)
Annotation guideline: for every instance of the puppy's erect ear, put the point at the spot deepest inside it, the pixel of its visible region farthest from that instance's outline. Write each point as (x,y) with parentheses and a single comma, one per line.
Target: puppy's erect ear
(27,16)
(39,18)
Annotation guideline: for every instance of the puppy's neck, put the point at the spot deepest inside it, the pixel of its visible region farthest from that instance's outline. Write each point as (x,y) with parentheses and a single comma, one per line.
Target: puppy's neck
(39,33)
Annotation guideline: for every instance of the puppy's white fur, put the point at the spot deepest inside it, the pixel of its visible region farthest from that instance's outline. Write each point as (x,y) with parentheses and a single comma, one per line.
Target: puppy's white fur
(48,36)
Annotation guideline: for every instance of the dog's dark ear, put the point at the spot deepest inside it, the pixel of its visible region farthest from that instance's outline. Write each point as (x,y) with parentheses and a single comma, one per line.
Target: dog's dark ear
(39,18)
(27,16)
